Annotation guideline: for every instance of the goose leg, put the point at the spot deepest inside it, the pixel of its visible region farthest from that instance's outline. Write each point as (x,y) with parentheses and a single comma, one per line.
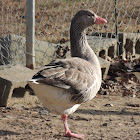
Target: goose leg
(67,130)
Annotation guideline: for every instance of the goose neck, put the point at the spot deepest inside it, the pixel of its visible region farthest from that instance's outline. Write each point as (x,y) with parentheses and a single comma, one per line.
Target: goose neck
(80,47)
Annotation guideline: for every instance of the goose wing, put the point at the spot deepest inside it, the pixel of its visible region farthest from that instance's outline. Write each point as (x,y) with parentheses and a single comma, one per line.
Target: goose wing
(75,74)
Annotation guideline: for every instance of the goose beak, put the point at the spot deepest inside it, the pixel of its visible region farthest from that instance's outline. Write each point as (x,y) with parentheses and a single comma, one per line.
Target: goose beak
(99,20)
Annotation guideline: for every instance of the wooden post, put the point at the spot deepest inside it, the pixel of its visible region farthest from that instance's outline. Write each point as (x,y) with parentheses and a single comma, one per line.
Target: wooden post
(30,34)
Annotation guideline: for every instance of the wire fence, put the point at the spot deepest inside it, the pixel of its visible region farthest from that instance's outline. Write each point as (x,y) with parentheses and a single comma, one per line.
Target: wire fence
(52,23)
(12,26)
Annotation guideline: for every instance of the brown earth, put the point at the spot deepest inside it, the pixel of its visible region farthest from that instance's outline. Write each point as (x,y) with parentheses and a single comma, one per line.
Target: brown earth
(106,117)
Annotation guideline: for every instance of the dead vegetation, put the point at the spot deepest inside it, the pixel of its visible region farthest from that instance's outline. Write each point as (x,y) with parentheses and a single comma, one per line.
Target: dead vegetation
(120,81)
(53,17)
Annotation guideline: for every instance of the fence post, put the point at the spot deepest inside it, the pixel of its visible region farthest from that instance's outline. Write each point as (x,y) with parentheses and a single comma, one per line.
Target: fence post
(30,34)
(116,25)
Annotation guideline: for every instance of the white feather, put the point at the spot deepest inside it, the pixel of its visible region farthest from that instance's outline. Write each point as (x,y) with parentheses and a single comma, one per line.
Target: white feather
(55,99)
(93,89)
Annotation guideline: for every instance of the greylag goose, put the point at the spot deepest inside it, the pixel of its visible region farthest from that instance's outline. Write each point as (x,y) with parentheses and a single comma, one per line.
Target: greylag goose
(64,84)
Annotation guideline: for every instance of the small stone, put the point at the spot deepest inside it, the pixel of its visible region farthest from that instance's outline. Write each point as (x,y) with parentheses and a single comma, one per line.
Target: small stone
(110,119)
(105,93)
(44,112)
(123,111)
(9,117)
(119,124)
(92,112)
(108,105)
(93,106)
(133,105)
(105,124)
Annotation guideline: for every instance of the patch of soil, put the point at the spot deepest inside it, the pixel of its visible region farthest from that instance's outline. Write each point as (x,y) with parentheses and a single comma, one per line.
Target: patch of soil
(106,117)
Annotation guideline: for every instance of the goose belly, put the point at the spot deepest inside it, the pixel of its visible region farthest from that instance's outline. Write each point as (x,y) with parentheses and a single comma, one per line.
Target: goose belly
(56,100)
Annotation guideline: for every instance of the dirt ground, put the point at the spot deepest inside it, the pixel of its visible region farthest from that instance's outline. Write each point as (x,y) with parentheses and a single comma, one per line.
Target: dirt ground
(106,117)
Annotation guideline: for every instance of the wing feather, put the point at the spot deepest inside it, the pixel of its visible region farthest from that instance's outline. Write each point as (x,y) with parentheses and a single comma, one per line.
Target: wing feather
(74,74)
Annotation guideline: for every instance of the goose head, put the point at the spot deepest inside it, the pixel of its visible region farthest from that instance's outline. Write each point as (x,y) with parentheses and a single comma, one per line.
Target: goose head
(79,45)
(86,18)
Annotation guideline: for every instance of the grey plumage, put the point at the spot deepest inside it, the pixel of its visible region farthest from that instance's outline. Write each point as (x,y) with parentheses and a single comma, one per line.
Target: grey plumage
(74,74)
(79,73)
(64,84)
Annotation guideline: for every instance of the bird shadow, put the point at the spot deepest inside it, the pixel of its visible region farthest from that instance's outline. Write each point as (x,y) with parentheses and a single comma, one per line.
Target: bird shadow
(7,132)
(101,112)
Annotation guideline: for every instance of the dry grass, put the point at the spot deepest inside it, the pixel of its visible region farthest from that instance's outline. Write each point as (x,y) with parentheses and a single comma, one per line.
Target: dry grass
(53,17)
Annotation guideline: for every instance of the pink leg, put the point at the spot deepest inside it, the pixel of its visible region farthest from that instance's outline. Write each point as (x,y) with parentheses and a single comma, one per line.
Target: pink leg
(68,132)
